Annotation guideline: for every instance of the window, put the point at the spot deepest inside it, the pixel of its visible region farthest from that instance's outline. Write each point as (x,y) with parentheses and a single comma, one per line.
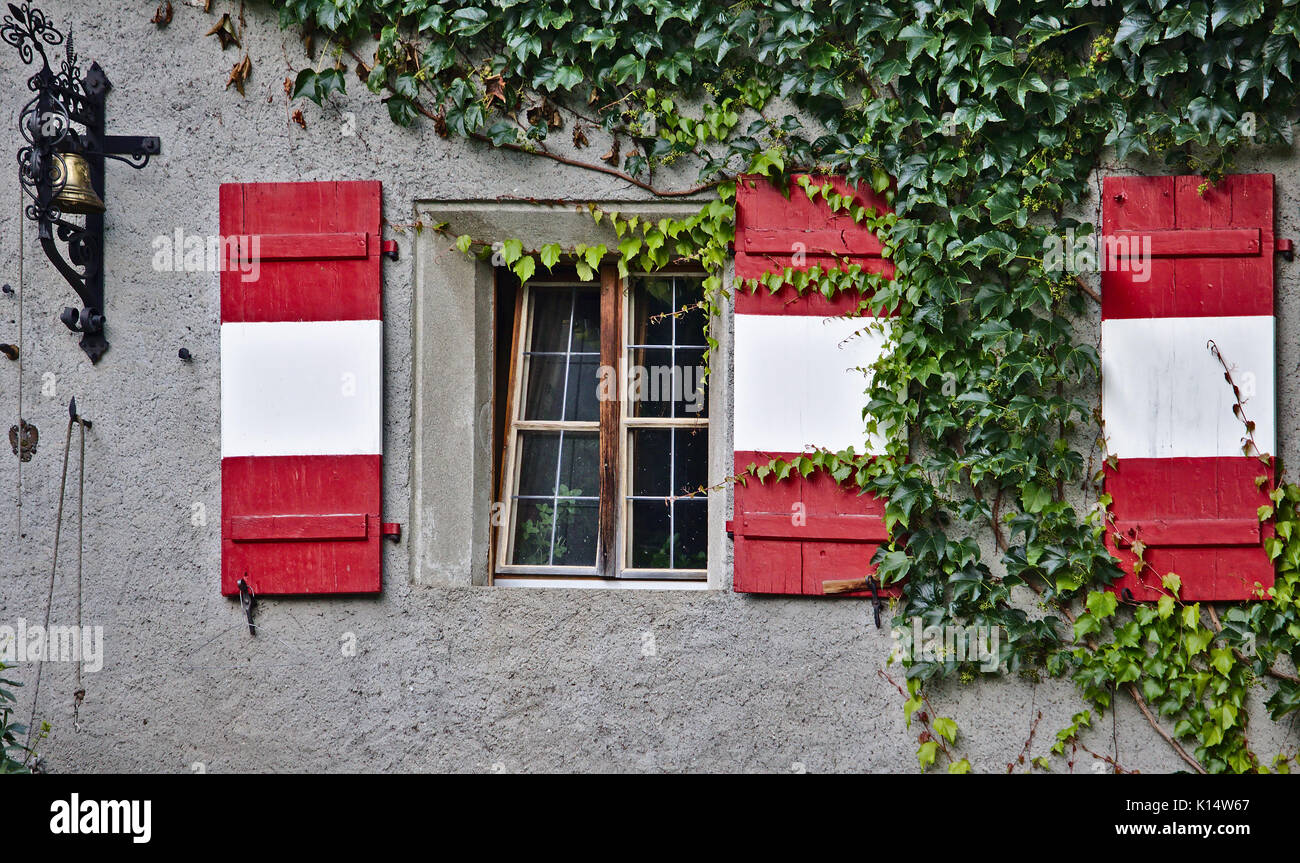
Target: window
(604,420)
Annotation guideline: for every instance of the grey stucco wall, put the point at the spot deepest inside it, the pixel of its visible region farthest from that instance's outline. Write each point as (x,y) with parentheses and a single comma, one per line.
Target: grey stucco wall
(459,678)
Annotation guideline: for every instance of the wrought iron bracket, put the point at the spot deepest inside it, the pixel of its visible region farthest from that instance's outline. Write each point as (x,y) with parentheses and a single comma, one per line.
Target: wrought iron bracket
(63,101)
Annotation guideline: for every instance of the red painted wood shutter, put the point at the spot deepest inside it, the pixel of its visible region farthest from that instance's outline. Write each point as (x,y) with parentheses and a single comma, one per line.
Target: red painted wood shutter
(797,388)
(302,388)
(1192,264)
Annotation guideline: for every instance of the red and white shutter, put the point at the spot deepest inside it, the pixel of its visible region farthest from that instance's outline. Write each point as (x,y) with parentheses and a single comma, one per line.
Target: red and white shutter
(799,386)
(301,388)
(1179,480)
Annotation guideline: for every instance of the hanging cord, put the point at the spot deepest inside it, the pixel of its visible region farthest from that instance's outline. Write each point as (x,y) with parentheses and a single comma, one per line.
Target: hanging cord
(54,567)
(22,219)
(80,692)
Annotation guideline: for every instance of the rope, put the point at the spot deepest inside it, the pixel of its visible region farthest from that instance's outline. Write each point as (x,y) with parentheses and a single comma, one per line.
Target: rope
(21,249)
(80,692)
(49,598)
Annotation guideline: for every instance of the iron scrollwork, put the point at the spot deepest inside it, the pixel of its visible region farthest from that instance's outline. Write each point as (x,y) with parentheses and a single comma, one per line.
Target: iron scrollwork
(65,116)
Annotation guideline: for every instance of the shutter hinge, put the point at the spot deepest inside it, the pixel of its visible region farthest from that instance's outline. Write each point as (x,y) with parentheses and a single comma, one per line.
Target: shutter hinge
(388,248)
(1286,249)
(392,530)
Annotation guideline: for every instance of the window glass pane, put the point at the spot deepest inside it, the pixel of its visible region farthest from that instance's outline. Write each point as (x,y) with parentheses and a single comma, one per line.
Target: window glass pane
(552,310)
(649,458)
(556,505)
(650,386)
(583,400)
(666,379)
(690,534)
(575,533)
(650,523)
(691,463)
(586,321)
(537,461)
(544,387)
(534,525)
(690,391)
(690,320)
(579,463)
(652,305)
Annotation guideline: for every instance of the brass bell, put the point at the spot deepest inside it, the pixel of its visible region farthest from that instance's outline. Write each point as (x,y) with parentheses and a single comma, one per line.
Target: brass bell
(71,171)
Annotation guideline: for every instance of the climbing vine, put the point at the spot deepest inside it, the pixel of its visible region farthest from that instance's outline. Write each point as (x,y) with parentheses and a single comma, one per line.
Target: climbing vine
(982,123)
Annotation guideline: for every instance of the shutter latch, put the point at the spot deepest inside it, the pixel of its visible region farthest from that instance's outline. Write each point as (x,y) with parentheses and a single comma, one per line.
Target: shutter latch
(873,585)
(1286,249)
(392,530)
(388,248)
(246,599)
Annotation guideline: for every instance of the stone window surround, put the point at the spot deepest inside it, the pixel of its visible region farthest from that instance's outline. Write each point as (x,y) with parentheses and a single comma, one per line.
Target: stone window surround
(453,327)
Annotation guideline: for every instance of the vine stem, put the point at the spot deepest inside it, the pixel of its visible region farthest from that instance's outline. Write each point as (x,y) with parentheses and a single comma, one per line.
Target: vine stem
(1177,747)
(1137,697)
(565,160)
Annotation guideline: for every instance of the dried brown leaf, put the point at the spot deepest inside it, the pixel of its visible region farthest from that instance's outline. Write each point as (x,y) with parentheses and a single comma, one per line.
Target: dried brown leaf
(163,16)
(239,74)
(611,158)
(224,30)
(299,119)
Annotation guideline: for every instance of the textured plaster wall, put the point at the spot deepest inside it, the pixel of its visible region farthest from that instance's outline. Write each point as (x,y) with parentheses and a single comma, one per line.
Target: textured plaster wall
(465,678)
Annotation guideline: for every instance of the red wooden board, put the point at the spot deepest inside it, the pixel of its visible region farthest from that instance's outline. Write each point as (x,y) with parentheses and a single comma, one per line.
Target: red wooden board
(1212,257)
(1221,494)
(791,535)
(320,485)
(316,283)
(771,228)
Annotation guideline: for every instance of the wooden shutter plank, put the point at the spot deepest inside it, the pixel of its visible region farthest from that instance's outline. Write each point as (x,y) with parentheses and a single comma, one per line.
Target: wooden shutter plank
(264,528)
(305,247)
(1211,243)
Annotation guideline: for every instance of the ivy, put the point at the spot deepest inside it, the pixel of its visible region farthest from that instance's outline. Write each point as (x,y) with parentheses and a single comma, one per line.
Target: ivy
(990,117)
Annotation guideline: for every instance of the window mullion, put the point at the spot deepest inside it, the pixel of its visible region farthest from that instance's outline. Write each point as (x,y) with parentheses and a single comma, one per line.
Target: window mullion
(611,348)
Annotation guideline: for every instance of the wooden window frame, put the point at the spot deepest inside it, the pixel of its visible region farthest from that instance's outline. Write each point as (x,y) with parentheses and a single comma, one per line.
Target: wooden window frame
(614,428)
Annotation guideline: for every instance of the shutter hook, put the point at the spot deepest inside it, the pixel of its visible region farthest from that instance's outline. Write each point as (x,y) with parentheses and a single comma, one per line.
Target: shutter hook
(246,599)
(76,417)
(873,585)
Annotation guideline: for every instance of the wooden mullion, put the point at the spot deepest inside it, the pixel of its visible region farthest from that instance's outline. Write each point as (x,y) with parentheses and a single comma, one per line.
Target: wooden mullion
(611,348)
